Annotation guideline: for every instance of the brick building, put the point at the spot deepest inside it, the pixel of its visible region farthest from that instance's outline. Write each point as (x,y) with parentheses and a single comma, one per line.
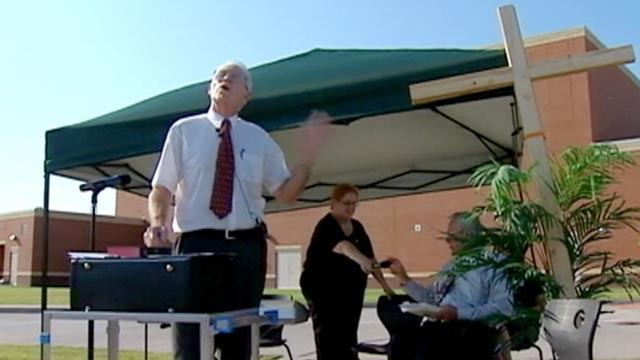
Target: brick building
(21,242)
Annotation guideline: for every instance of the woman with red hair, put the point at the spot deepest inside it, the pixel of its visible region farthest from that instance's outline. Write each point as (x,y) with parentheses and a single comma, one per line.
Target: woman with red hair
(339,259)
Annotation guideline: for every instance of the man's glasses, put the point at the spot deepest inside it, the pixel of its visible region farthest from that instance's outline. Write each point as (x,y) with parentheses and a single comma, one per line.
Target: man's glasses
(449,237)
(231,75)
(349,203)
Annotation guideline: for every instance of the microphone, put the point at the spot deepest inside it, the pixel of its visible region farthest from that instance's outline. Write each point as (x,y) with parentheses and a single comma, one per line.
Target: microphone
(117,180)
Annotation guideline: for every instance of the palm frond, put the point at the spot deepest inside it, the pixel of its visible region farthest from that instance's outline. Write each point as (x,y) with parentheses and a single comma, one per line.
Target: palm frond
(589,212)
(584,173)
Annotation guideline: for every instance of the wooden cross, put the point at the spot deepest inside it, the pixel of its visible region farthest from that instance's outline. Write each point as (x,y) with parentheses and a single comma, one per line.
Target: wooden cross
(520,75)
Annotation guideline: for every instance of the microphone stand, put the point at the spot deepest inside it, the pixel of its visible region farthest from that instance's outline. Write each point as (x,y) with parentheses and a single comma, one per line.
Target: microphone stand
(96,187)
(92,247)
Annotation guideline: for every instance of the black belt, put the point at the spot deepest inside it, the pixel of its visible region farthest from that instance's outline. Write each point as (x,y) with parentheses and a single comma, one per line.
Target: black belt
(256,232)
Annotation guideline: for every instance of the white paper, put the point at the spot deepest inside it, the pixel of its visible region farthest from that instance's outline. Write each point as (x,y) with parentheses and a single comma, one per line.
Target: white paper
(91,255)
(420,309)
(285,309)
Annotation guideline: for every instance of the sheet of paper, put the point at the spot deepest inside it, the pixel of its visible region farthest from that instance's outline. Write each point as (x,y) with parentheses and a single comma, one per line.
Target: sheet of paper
(420,309)
(90,255)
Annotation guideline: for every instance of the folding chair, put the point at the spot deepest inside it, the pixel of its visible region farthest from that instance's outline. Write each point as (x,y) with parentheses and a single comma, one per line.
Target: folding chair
(271,334)
(392,317)
(523,331)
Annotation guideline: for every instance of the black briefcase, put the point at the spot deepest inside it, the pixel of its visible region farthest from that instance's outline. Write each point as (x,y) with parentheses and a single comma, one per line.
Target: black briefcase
(178,283)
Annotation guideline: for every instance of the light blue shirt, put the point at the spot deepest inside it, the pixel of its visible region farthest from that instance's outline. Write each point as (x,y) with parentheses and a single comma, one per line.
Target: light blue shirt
(477,294)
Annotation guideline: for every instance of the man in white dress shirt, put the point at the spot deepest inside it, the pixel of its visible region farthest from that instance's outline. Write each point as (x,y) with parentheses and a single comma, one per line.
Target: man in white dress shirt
(216,165)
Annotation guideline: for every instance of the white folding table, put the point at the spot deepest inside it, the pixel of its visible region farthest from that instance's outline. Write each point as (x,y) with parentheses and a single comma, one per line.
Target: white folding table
(210,324)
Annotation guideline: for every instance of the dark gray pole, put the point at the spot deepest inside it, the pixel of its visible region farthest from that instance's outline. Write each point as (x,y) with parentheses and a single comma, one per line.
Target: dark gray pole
(92,247)
(45,261)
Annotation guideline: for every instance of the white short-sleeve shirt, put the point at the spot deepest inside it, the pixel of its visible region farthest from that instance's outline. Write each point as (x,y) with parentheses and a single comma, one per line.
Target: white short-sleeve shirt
(187,168)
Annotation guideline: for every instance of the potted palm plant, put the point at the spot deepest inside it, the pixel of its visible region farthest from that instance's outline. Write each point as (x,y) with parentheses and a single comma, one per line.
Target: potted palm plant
(589,215)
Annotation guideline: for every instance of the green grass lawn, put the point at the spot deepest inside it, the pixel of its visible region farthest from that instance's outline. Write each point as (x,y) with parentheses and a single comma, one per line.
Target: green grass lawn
(14,352)
(31,295)
(60,296)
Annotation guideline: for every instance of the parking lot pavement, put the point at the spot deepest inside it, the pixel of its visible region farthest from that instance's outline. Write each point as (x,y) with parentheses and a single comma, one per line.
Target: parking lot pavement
(616,337)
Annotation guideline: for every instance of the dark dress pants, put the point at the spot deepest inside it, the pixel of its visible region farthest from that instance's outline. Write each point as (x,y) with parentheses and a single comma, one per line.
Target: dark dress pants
(248,280)
(458,340)
(335,315)
(393,319)
(411,339)
(403,327)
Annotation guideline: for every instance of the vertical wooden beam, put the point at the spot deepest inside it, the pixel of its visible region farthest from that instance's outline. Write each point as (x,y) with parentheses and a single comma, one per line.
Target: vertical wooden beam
(535,143)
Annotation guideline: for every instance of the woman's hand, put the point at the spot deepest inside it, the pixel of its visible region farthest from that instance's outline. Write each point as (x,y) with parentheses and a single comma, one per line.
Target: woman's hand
(388,291)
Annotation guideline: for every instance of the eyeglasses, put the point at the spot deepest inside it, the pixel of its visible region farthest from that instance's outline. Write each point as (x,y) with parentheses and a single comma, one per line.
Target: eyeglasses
(231,75)
(349,203)
(449,236)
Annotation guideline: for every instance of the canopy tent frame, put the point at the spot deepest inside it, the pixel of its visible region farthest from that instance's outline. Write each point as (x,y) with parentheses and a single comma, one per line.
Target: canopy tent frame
(494,149)
(483,139)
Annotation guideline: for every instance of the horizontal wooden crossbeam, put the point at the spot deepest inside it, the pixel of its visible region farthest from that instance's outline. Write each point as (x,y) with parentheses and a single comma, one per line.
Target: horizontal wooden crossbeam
(430,91)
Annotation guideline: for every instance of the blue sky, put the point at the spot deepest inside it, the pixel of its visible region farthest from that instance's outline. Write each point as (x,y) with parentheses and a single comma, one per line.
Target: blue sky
(67,61)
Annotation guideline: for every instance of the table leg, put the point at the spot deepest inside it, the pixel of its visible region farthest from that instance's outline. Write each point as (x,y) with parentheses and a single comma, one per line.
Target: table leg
(45,337)
(255,341)
(113,339)
(206,341)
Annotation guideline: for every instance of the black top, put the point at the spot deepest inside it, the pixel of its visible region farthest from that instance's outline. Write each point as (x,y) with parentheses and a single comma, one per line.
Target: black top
(324,268)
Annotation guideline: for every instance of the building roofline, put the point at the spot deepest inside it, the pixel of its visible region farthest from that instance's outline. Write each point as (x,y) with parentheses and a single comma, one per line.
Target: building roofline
(630,145)
(576,32)
(17,214)
(555,36)
(67,215)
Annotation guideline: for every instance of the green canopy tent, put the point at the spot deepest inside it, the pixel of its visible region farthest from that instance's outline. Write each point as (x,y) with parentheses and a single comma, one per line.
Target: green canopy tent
(381,143)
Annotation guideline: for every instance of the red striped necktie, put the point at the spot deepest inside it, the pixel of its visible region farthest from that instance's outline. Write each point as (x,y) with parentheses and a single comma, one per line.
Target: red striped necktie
(222,194)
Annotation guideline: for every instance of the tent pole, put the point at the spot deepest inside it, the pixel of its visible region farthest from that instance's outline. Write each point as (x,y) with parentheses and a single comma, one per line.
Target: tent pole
(92,247)
(45,262)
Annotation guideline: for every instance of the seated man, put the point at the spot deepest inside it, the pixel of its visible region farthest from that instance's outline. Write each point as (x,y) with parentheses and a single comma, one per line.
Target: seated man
(468,302)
